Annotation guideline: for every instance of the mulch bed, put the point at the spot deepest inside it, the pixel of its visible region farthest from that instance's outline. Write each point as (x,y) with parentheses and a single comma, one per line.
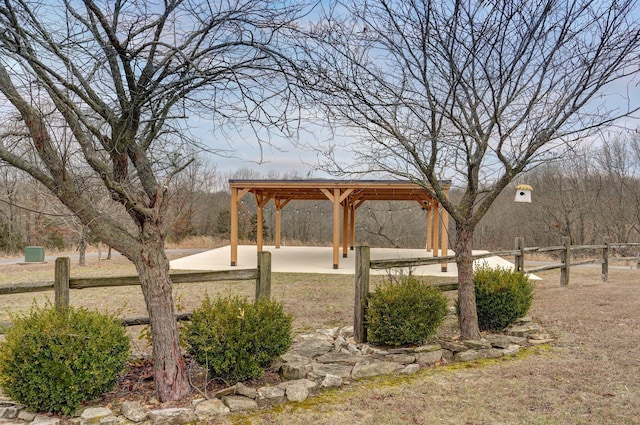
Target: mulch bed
(136,384)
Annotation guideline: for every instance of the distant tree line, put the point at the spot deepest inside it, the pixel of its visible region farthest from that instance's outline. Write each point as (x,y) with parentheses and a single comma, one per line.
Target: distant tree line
(587,195)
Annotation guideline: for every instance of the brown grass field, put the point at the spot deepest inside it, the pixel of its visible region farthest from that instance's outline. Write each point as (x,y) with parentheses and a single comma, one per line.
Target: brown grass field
(589,375)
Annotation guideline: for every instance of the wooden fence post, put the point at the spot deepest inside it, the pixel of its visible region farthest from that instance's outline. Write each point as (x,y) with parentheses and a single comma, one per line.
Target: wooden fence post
(363,261)
(263,282)
(565,259)
(519,257)
(605,260)
(61,282)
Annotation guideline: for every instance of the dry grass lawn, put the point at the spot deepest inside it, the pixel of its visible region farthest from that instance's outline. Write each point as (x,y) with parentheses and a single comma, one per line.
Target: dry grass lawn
(588,376)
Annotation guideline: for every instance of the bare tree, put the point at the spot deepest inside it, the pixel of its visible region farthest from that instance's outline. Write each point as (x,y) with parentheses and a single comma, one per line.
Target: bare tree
(110,86)
(472,92)
(619,162)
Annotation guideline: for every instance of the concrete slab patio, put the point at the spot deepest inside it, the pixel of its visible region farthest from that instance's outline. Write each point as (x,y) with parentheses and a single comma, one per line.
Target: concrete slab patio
(305,259)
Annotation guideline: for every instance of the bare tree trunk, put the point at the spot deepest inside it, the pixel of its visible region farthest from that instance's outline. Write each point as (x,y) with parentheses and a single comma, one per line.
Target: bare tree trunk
(82,248)
(109,253)
(466,288)
(153,268)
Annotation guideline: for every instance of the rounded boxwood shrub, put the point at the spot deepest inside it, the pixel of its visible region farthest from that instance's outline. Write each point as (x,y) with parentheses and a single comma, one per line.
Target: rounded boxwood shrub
(52,360)
(405,312)
(235,339)
(502,297)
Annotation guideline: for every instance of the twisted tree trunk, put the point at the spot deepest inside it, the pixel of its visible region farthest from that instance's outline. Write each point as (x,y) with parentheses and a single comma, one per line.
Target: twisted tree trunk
(153,268)
(466,288)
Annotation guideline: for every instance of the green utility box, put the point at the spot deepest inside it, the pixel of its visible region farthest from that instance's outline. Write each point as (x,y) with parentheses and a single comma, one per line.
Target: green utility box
(34,254)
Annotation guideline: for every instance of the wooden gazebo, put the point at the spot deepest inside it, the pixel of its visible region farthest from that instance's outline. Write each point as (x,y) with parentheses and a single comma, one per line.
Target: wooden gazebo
(347,195)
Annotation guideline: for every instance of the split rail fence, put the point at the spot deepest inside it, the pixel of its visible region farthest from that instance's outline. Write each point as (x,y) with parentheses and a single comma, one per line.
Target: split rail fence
(63,283)
(364,264)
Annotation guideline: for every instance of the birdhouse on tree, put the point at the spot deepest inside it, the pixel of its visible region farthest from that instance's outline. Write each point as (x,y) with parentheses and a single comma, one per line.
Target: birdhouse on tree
(523,193)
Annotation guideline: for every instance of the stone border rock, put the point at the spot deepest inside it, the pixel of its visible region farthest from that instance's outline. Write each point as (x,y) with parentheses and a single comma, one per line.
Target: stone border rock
(328,358)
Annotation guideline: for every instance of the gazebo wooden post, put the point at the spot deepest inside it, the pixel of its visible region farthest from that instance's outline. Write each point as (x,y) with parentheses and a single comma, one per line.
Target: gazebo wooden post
(236,196)
(436,228)
(429,218)
(280,204)
(352,223)
(336,228)
(278,223)
(346,206)
(233,213)
(259,221)
(261,200)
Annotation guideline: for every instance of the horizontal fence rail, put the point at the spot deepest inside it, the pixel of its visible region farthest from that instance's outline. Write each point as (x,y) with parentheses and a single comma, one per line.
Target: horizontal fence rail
(425,261)
(63,283)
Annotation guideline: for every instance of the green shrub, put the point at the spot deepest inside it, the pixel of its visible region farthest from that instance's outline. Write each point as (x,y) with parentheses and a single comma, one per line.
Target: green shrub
(51,360)
(405,312)
(502,297)
(235,339)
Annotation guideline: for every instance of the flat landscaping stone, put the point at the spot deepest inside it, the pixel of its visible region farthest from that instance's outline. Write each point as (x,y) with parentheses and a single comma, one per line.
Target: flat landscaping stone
(248,392)
(410,369)
(331,333)
(331,381)
(25,415)
(321,370)
(96,415)
(298,390)
(524,329)
(295,370)
(492,353)
(173,416)
(45,420)
(453,346)
(340,358)
(511,350)
(134,411)
(292,357)
(375,369)
(429,357)
(238,403)
(477,344)
(9,412)
(304,382)
(208,409)
(311,345)
(540,341)
(225,392)
(400,358)
(499,341)
(467,356)
(427,347)
(269,396)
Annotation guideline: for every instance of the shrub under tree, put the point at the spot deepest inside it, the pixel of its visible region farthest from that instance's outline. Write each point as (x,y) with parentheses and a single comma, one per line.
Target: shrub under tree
(502,297)
(53,360)
(235,339)
(405,312)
